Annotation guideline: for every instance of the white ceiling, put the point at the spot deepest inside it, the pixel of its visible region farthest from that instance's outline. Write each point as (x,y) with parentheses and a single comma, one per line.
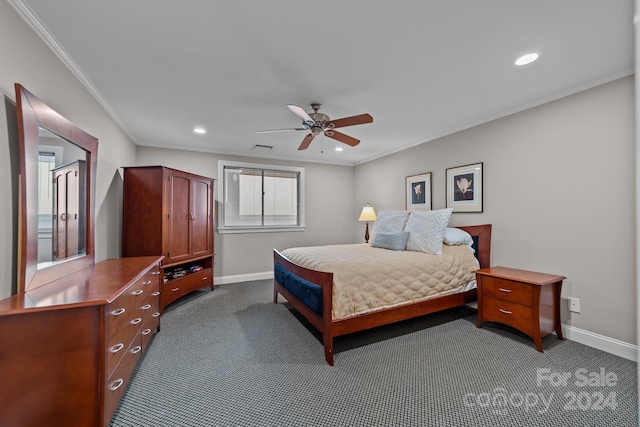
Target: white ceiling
(422,69)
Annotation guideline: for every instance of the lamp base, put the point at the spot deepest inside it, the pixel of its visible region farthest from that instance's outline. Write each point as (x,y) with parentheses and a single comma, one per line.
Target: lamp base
(366,232)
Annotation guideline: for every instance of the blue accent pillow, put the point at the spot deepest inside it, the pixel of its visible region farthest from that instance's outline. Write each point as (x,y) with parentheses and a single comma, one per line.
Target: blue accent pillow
(393,241)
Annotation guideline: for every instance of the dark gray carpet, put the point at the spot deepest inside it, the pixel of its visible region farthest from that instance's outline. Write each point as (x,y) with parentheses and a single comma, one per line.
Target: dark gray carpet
(233,358)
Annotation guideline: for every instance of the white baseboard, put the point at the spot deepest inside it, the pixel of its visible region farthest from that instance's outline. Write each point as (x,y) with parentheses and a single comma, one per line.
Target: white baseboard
(225,280)
(610,345)
(601,342)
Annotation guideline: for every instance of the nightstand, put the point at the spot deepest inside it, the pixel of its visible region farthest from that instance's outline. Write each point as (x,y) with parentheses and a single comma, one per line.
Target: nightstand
(525,300)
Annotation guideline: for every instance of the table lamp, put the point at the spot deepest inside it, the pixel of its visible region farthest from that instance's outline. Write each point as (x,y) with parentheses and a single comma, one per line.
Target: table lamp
(367,214)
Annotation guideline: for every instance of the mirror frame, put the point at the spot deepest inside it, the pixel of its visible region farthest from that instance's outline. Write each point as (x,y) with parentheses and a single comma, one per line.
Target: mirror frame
(32,115)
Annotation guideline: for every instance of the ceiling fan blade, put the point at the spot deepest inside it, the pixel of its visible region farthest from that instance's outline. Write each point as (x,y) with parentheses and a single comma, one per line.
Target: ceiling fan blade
(279,130)
(350,121)
(298,111)
(306,142)
(342,138)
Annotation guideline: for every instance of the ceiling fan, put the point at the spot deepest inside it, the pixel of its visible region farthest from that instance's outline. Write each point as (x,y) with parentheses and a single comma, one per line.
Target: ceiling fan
(318,123)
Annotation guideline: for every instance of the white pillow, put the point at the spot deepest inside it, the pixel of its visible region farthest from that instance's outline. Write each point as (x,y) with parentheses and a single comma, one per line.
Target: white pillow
(389,222)
(426,230)
(456,236)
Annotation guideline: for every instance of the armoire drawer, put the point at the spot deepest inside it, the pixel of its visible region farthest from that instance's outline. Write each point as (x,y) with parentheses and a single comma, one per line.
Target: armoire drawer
(174,289)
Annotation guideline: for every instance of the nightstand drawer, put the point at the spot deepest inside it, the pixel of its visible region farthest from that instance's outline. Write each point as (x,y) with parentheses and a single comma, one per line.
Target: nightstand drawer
(508,313)
(508,290)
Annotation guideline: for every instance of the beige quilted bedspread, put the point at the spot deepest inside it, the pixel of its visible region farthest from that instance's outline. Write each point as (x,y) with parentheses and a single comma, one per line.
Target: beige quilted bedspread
(366,279)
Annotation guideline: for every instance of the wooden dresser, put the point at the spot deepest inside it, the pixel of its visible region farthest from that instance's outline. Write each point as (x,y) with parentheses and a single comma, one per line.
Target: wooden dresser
(525,300)
(67,349)
(171,213)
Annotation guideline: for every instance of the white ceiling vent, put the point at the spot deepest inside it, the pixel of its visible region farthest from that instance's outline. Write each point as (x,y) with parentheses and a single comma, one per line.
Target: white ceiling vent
(259,147)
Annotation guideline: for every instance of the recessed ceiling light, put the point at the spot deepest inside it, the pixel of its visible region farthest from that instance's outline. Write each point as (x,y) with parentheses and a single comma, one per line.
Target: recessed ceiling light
(339,148)
(199,130)
(527,59)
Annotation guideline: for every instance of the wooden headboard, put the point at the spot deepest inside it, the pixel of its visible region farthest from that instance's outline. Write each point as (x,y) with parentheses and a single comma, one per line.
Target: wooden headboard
(482,242)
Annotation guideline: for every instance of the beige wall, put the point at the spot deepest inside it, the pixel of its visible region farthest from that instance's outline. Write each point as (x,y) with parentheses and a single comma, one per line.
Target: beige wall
(558,189)
(329,210)
(25,59)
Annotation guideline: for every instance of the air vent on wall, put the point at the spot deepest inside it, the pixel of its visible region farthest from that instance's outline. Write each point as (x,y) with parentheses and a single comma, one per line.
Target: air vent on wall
(259,147)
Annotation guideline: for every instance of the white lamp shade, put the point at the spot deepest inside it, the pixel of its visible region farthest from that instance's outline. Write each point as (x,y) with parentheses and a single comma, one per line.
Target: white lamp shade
(367,214)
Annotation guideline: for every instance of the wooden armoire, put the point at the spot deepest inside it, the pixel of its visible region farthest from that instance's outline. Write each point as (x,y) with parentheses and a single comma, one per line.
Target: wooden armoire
(170,213)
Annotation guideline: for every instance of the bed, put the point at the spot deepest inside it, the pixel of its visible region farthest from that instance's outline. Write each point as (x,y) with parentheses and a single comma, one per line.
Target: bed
(311,292)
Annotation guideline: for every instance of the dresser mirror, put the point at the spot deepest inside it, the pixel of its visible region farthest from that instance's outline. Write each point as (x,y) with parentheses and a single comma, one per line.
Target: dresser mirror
(57,186)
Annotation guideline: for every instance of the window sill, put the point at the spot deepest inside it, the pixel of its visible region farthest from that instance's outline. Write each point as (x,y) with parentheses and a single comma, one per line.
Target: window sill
(241,230)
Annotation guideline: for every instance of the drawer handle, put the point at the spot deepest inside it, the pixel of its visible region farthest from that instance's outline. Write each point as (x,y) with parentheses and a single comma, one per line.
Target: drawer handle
(155,294)
(505,290)
(175,289)
(116,348)
(205,278)
(146,282)
(116,384)
(155,273)
(146,306)
(136,321)
(118,312)
(505,311)
(146,331)
(138,292)
(156,314)
(136,349)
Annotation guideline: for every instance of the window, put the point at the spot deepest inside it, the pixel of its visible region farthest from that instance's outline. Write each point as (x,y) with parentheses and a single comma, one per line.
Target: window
(258,198)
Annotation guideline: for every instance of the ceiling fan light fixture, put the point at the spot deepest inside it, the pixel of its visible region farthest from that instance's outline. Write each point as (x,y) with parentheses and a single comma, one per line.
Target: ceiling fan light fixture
(527,59)
(339,149)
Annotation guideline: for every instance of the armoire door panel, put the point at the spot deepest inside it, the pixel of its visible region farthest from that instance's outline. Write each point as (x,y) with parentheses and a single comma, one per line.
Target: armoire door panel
(179,214)
(201,211)
(60,214)
(72,213)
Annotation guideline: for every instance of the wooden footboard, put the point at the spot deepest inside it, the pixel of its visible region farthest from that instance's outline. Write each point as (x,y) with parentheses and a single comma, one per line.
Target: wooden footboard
(321,321)
(320,316)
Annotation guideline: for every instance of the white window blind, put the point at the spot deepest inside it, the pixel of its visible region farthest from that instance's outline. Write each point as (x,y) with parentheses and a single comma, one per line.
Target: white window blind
(260,197)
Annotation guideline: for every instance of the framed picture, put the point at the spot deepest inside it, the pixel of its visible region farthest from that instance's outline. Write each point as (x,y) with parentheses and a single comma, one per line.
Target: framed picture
(464,188)
(418,191)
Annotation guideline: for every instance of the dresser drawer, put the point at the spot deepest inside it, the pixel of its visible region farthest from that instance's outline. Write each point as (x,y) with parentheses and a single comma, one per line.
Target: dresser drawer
(151,280)
(123,323)
(118,381)
(148,329)
(508,290)
(151,306)
(515,315)
(118,348)
(125,310)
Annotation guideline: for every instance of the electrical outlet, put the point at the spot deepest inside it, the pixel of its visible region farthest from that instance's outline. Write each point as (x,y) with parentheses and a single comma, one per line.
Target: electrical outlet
(574,304)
